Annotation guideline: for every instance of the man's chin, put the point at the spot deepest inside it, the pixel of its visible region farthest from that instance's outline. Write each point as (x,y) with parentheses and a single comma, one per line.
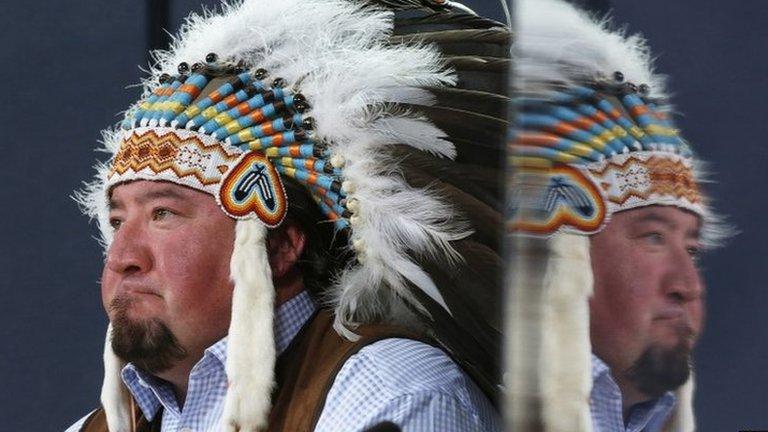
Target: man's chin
(661,368)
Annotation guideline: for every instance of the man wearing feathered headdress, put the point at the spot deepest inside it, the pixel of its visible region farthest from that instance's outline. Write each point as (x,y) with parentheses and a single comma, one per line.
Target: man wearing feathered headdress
(609,220)
(301,219)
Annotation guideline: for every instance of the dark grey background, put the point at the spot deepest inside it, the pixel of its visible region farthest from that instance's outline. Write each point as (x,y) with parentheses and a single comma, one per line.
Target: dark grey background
(714,52)
(65,66)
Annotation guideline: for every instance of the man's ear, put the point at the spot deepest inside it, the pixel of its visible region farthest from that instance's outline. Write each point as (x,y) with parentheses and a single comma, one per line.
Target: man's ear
(285,245)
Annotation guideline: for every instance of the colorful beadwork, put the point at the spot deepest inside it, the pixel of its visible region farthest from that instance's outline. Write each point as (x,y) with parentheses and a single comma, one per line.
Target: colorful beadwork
(636,178)
(253,186)
(588,151)
(176,155)
(581,125)
(244,114)
(560,197)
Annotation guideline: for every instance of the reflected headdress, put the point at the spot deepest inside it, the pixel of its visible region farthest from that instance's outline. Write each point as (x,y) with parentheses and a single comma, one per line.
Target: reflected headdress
(594,137)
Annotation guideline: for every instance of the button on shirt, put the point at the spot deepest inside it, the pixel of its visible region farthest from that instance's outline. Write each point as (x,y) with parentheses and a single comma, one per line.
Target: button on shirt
(605,405)
(414,385)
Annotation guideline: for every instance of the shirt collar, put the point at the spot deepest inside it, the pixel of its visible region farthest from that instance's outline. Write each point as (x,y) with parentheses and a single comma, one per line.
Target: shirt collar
(653,412)
(599,368)
(289,319)
(151,392)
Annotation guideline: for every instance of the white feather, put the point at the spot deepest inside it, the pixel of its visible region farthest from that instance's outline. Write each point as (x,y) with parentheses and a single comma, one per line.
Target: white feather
(716,230)
(419,133)
(557,42)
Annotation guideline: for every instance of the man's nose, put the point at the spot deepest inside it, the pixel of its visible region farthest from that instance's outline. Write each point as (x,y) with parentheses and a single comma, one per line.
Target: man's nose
(684,283)
(129,252)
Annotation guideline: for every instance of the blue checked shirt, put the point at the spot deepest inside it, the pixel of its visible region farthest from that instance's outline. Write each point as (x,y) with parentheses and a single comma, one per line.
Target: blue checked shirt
(605,405)
(412,384)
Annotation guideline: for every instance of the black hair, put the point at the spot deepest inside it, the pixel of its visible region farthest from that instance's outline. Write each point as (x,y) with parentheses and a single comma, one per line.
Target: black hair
(326,251)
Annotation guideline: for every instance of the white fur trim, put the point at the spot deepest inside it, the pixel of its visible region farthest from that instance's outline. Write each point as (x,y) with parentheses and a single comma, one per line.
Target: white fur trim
(115,397)
(251,347)
(548,350)
(566,377)
(683,418)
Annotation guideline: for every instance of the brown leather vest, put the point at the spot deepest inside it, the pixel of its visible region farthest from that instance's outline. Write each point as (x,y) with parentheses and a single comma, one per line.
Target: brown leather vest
(304,374)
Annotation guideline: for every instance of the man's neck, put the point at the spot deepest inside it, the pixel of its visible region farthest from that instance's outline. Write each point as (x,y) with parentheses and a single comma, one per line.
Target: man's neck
(630,396)
(287,287)
(178,375)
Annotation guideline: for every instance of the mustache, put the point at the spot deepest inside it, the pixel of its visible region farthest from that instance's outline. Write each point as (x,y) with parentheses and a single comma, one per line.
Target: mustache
(685,331)
(122,300)
(120,303)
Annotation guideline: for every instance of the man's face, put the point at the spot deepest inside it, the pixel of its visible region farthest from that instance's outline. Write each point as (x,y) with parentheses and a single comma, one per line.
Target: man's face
(647,308)
(166,284)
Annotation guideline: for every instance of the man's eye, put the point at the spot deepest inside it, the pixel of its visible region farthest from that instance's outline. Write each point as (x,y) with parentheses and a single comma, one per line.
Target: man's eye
(654,237)
(161,213)
(115,223)
(694,252)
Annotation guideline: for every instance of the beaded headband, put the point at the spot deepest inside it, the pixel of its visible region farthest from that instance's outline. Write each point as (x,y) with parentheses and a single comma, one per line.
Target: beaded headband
(233,142)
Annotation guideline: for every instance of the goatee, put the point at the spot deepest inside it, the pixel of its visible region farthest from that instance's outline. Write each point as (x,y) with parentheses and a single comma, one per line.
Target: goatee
(149,344)
(661,369)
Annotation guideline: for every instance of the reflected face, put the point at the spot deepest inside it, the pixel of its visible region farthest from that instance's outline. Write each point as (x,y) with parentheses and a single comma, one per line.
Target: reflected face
(647,308)
(166,284)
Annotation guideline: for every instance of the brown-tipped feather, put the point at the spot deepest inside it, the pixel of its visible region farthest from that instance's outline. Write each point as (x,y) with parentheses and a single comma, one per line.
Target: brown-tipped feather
(483,182)
(473,114)
(472,289)
(492,42)
(489,104)
(472,334)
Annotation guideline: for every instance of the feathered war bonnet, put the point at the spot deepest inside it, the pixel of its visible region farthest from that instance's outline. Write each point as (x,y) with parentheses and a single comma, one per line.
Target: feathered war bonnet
(389,115)
(594,137)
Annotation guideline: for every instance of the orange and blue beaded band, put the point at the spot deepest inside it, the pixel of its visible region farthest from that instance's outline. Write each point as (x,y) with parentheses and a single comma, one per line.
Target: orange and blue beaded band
(245,114)
(588,151)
